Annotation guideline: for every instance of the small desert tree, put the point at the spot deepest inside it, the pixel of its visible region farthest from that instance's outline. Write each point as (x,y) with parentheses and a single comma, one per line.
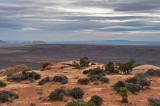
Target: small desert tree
(84,62)
(127,67)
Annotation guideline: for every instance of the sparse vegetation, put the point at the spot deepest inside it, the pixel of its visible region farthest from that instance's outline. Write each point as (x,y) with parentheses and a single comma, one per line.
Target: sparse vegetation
(109,67)
(97,100)
(45,64)
(57,94)
(39,90)
(17,77)
(118,85)
(95,77)
(104,79)
(127,67)
(84,62)
(85,71)
(154,101)
(95,71)
(76,65)
(80,103)
(61,79)
(133,88)
(33,75)
(124,93)
(143,82)
(24,75)
(2,84)
(135,82)
(140,75)
(6,95)
(44,80)
(152,72)
(77,93)
(83,81)
(131,80)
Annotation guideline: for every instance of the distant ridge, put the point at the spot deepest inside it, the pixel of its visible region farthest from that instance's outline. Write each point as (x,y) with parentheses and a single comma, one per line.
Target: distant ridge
(2,42)
(39,42)
(109,42)
(94,42)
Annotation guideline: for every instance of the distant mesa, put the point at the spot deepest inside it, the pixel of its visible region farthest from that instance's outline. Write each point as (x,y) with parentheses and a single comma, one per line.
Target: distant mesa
(39,42)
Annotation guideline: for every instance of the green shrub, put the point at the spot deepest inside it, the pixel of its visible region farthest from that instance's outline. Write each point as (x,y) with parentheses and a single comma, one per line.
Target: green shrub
(17,77)
(80,103)
(41,83)
(104,79)
(127,67)
(23,75)
(133,88)
(34,75)
(97,100)
(95,77)
(44,80)
(140,75)
(118,85)
(84,62)
(139,79)
(61,79)
(109,67)
(57,94)
(2,84)
(83,81)
(124,93)
(154,101)
(77,92)
(6,95)
(85,71)
(152,72)
(76,65)
(143,82)
(96,71)
(131,80)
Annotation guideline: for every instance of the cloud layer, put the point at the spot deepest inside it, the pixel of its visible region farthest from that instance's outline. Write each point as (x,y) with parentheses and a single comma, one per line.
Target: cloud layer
(80,19)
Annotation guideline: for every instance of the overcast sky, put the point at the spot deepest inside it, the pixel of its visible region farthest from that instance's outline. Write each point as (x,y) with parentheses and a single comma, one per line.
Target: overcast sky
(66,20)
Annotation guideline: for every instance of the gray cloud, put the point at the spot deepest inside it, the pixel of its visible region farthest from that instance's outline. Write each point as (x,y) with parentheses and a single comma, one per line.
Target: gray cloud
(96,17)
(140,5)
(85,18)
(122,5)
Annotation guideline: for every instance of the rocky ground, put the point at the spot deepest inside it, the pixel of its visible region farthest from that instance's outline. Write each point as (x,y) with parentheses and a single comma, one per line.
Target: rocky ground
(28,91)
